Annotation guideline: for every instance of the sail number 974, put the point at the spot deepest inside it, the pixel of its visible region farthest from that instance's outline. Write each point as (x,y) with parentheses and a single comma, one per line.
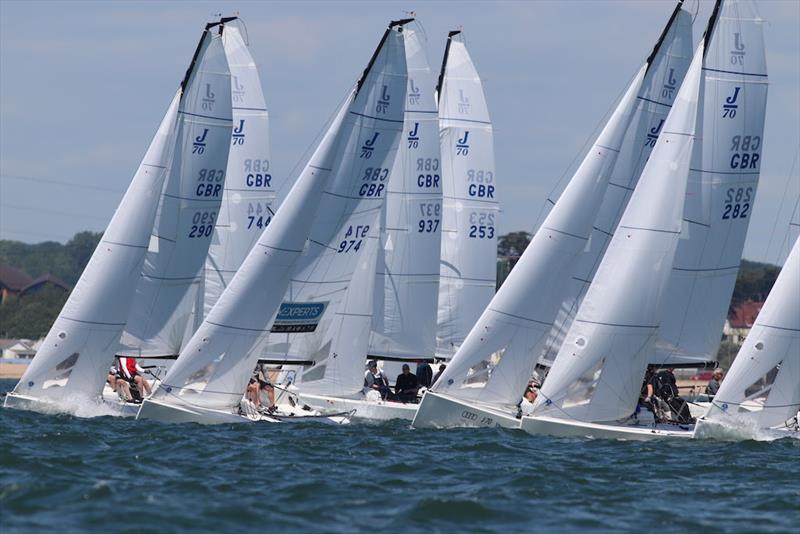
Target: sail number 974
(353,238)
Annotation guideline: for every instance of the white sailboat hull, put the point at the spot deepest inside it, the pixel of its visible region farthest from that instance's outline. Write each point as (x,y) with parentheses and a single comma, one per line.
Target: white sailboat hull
(443,411)
(34,404)
(172,413)
(361,408)
(551,426)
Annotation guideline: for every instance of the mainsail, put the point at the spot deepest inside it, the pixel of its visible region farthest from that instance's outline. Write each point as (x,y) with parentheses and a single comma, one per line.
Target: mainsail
(249,194)
(187,213)
(496,360)
(667,67)
(74,357)
(407,278)
(763,385)
(468,271)
(722,186)
(598,372)
(326,218)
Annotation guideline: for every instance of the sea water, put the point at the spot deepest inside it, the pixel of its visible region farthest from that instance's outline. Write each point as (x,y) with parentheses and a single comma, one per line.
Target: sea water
(105,474)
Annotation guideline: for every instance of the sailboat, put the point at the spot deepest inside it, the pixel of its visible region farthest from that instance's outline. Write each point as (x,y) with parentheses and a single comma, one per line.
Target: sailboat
(468,273)
(294,287)
(404,307)
(762,389)
(484,381)
(595,382)
(69,370)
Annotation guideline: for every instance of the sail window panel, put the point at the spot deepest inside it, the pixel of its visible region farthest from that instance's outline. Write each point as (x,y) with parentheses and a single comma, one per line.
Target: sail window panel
(60,375)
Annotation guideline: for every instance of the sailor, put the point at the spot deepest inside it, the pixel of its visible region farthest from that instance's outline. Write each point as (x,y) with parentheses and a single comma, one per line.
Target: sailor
(424,374)
(442,367)
(133,374)
(528,398)
(663,386)
(118,385)
(406,385)
(375,380)
(714,383)
(260,382)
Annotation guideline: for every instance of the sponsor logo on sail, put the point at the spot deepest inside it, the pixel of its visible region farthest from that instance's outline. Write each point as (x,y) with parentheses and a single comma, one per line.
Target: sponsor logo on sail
(738,53)
(463,102)
(413,93)
(298,316)
(462,145)
(208,99)
(652,135)
(238,90)
(199,145)
(730,106)
(413,136)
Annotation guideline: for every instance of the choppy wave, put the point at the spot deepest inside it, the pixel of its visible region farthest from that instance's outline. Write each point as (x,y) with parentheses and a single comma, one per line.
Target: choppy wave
(103,473)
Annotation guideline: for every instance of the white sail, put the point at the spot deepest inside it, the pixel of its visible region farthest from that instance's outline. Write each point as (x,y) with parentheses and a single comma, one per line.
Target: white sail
(722,187)
(74,357)
(407,279)
(248,199)
(598,372)
(320,213)
(187,213)
(468,270)
(667,67)
(345,222)
(496,360)
(763,385)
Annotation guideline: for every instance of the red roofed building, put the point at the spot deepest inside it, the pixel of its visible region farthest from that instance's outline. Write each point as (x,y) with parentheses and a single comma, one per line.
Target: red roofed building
(12,281)
(741,318)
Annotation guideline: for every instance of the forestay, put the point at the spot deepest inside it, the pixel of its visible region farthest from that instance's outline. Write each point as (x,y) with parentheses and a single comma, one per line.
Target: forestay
(667,67)
(248,199)
(190,201)
(74,357)
(468,272)
(763,385)
(407,278)
(598,372)
(322,207)
(722,187)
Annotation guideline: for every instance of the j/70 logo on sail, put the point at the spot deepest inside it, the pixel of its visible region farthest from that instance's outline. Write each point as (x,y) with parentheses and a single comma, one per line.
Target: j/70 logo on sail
(369,146)
(238,90)
(413,93)
(199,145)
(238,134)
(463,102)
(669,86)
(737,54)
(383,104)
(413,136)
(462,146)
(652,136)
(208,100)
(730,106)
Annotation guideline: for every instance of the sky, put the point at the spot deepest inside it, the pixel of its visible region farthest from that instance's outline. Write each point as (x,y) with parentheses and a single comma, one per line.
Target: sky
(83,86)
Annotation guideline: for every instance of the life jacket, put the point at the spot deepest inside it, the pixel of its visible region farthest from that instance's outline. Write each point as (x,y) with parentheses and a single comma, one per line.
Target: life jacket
(127,367)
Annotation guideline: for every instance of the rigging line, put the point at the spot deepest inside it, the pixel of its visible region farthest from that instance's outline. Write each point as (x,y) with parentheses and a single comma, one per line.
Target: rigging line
(780,207)
(584,149)
(61,182)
